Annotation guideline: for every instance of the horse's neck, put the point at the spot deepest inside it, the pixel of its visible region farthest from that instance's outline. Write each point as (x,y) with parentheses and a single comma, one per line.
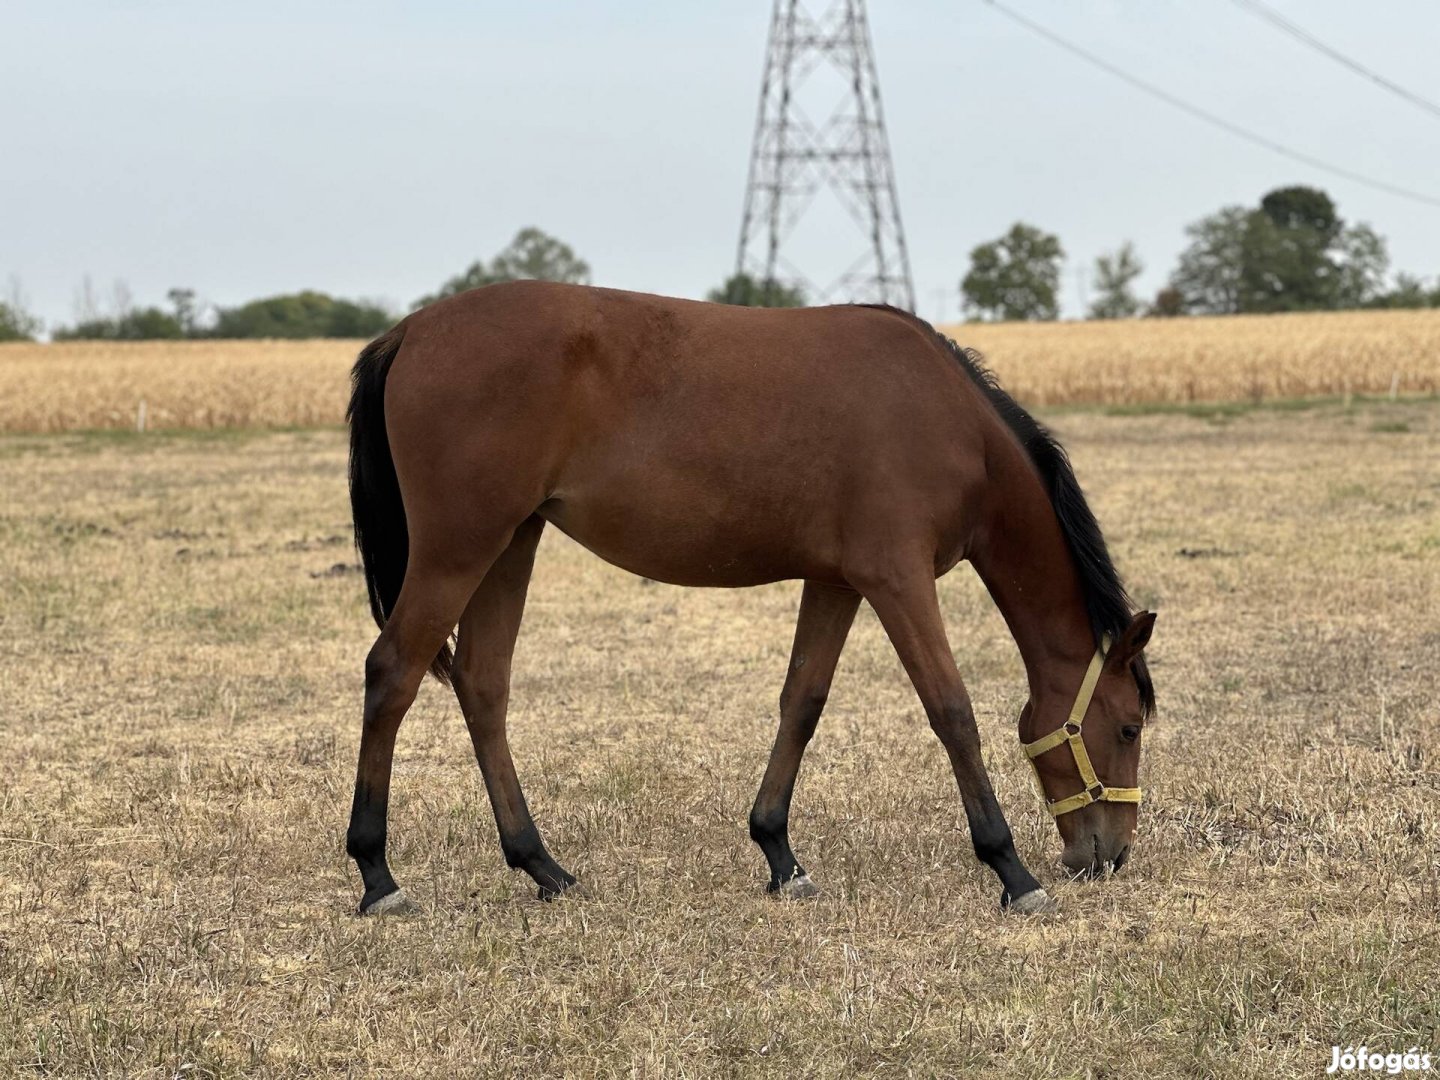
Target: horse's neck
(1023,559)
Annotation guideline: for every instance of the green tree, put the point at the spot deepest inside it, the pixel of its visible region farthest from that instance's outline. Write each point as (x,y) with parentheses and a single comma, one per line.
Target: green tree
(306,314)
(1015,277)
(532,255)
(186,310)
(1302,208)
(1115,276)
(747,291)
(1408,291)
(137,324)
(1208,277)
(1363,263)
(17,324)
(1293,253)
(1287,264)
(1168,303)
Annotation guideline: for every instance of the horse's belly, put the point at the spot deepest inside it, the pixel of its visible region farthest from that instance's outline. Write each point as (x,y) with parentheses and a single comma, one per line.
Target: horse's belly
(705,539)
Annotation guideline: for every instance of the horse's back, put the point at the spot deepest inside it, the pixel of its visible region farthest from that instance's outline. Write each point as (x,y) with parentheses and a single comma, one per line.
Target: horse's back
(699,443)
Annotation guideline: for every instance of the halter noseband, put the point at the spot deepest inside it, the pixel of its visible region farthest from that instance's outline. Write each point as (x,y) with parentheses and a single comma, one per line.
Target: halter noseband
(1094,791)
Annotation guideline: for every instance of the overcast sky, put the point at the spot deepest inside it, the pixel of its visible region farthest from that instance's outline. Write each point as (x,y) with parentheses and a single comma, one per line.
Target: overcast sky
(373,149)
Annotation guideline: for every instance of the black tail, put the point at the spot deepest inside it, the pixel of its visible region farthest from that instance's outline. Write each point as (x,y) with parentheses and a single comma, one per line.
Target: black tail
(381,535)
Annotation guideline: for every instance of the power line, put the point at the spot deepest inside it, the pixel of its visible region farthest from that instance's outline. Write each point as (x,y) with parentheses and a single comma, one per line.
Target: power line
(1209,117)
(1270,15)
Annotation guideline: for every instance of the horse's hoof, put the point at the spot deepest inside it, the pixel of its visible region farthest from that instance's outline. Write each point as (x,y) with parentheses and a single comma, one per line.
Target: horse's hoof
(798,888)
(570,890)
(395,903)
(1035,902)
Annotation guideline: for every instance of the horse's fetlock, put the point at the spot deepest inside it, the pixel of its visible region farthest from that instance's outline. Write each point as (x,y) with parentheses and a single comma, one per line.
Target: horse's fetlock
(993,845)
(364,841)
(766,824)
(522,849)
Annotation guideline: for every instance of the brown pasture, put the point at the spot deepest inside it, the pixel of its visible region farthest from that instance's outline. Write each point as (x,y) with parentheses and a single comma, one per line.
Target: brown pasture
(181,639)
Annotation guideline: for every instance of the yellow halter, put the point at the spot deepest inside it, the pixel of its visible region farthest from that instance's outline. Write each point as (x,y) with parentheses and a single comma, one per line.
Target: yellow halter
(1094,791)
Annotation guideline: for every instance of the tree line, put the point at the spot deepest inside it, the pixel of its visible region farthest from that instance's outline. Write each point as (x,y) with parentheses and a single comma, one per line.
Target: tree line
(1291,252)
(305,314)
(532,254)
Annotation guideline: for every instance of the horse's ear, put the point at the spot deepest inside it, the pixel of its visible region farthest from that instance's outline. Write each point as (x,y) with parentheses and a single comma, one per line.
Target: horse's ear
(1132,642)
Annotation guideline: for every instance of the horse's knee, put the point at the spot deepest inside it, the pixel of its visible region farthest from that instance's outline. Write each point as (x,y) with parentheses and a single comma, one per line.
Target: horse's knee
(953,719)
(804,706)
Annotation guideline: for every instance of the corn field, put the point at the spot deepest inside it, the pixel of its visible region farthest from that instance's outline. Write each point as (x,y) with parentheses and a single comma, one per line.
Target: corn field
(267,384)
(78,386)
(1238,358)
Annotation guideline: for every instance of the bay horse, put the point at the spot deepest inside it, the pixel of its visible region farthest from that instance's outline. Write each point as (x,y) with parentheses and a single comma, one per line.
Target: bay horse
(853,448)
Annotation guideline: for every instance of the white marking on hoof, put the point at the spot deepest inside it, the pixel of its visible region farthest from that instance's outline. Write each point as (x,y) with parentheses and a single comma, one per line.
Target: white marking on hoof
(395,903)
(798,888)
(1036,902)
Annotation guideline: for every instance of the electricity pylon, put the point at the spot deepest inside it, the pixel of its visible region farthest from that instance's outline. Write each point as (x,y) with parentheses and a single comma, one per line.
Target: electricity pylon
(793,159)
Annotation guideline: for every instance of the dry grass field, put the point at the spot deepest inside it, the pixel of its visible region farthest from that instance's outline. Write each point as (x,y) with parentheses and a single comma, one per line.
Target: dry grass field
(82,386)
(1249,358)
(181,637)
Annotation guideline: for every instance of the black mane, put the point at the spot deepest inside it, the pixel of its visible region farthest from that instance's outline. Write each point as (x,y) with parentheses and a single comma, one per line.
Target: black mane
(1106,601)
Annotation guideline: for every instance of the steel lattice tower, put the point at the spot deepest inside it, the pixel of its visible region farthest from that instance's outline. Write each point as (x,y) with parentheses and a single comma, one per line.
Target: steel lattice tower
(793,158)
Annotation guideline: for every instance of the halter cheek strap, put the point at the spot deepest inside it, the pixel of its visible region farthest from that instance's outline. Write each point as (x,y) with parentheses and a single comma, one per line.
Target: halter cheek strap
(1069,734)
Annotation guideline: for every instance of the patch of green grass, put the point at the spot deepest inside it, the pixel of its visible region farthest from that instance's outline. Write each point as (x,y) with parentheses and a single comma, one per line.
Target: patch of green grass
(1341,493)
(91,441)
(1222,411)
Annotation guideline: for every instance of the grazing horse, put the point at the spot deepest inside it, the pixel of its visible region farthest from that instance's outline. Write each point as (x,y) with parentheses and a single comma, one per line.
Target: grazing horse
(851,447)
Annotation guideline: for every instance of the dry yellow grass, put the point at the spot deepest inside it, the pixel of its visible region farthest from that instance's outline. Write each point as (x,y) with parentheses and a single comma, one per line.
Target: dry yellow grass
(180,671)
(1244,358)
(267,384)
(81,386)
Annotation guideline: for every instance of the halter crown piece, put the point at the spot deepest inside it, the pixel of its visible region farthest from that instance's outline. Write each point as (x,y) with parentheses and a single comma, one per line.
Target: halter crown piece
(1069,734)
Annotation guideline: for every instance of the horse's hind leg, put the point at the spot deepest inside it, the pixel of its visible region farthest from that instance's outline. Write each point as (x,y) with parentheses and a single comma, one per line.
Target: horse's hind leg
(482,683)
(438,585)
(826,613)
(428,606)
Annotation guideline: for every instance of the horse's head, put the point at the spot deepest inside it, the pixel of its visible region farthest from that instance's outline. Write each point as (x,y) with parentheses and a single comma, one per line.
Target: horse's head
(1086,752)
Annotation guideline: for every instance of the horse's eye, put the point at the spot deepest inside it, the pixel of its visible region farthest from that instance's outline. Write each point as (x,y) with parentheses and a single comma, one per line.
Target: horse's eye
(1130,732)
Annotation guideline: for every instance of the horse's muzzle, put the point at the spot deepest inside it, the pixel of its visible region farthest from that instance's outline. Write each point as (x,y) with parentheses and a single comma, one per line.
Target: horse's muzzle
(1093,854)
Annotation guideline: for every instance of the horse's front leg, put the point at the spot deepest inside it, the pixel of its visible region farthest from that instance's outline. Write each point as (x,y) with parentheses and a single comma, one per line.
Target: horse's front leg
(910,612)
